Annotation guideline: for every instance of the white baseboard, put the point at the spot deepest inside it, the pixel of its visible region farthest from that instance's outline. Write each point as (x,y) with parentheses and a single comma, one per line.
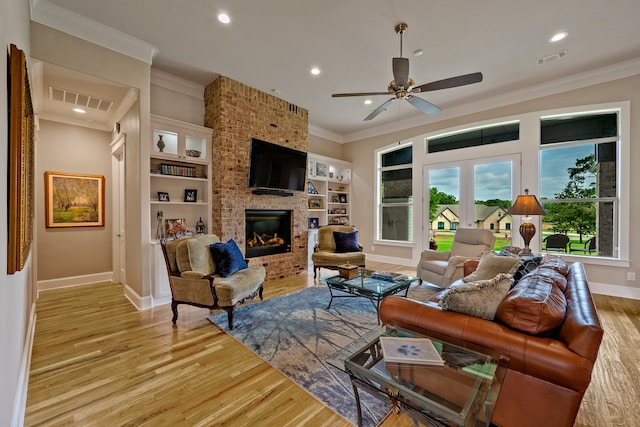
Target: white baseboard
(20,402)
(161,300)
(141,303)
(615,290)
(65,282)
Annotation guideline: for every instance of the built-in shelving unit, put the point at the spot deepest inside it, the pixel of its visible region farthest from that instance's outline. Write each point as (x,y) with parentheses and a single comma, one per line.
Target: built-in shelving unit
(329,195)
(179,187)
(179,173)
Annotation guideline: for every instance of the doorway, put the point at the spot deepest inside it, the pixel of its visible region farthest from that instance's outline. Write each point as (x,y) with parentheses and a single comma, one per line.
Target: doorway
(472,193)
(118,209)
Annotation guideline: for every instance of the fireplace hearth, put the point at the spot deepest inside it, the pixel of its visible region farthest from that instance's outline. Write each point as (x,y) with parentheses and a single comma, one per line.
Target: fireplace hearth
(268,232)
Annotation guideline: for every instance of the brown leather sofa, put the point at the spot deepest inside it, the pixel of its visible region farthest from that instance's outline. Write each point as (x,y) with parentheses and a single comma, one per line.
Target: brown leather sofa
(548,373)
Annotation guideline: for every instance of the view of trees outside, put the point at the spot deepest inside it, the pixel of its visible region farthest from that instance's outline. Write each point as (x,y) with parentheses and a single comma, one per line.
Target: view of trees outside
(567,173)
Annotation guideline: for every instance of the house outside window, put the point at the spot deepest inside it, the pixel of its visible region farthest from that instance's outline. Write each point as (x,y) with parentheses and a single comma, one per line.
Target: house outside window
(395,194)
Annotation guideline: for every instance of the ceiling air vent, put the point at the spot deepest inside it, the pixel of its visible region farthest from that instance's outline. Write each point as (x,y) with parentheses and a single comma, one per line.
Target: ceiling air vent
(552,57)
(79,99)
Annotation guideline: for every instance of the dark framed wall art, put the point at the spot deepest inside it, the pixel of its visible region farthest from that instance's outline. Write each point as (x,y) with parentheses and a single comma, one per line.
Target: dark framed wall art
(21,163)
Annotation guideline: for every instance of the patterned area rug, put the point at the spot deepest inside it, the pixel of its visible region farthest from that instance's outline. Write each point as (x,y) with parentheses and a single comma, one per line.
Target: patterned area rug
(296,333)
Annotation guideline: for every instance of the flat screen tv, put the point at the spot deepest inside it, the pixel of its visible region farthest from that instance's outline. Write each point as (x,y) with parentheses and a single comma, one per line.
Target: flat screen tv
(275,167)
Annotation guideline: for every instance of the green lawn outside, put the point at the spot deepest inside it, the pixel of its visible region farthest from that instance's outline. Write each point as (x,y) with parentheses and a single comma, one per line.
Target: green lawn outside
(445,240)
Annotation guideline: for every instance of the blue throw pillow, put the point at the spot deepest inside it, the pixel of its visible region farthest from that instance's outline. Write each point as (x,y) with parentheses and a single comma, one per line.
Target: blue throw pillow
(346,242)
(227,257)
(527,264)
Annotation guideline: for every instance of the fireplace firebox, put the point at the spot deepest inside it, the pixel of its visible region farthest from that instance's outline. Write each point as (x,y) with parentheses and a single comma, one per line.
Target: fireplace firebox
(268,232)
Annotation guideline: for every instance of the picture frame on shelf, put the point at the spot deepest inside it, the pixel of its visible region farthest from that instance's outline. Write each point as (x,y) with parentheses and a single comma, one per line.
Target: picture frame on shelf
(73,200)
(311,189)
(343,198)
(335,199)
(190,195)
(313,222)
(163,197)
(315,203)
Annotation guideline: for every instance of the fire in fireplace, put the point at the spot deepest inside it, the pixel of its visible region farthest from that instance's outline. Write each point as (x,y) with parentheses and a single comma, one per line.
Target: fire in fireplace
(268,232)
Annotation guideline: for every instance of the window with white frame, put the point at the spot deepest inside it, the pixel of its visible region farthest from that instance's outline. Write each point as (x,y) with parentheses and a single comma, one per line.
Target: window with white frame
(579,180)
(395,194)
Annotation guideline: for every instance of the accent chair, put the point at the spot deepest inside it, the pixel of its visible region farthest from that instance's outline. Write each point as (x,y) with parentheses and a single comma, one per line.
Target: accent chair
(337,245)
(441,268)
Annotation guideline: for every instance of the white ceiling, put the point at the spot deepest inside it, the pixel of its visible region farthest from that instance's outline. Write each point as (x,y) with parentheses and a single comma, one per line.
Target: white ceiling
(272,45)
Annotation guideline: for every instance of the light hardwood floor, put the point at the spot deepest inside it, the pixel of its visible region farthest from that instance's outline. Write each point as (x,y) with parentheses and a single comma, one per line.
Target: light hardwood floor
(98,361)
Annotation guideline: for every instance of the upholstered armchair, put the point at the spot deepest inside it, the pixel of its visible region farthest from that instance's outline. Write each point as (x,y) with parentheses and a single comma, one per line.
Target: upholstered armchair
(196,279)
(337,245)
(445,267)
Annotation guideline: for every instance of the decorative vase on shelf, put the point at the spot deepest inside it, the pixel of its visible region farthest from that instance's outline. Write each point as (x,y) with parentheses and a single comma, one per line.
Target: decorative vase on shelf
(160,143)
(200,226)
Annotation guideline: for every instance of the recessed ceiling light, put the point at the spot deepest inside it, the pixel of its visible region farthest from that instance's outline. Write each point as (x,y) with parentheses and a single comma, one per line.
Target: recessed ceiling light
(224,18)
(367,102)
(79,110)
(418,52)
(315,71)
(558,36)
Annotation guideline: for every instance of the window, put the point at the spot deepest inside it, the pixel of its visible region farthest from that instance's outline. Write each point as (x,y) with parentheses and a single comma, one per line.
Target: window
(395,194)
(578,180)
(492,134)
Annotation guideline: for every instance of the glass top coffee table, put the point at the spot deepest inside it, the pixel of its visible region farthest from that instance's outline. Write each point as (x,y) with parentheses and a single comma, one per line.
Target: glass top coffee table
(461,392)
(372,284)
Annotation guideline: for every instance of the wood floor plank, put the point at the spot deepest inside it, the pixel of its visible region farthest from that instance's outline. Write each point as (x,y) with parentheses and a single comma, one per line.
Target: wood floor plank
(99,361)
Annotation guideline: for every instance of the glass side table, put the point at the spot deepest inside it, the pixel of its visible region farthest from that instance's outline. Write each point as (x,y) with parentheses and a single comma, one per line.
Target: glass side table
(463,392)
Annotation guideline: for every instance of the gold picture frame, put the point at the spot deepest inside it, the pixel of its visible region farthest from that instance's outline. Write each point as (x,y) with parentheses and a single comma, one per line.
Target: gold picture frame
(73,200)
(316,203)
(21,163)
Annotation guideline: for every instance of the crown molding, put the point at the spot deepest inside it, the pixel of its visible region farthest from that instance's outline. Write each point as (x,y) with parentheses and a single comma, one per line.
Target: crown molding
(326,134)
(176,83)
(61,118)
(59,18)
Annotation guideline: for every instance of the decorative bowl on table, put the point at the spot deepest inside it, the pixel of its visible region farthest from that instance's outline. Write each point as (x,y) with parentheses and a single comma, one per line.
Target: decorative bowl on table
(193,153)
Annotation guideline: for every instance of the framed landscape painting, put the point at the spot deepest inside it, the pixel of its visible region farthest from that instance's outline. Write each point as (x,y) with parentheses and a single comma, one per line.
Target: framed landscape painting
(73,200)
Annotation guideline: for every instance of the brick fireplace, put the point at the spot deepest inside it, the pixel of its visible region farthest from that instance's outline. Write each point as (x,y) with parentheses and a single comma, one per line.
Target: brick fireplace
(237,113)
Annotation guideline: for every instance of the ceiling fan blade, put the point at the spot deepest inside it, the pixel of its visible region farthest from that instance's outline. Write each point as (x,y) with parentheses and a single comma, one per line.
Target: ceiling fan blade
(340,95)
(421,104)
(466,79)
(380,109)
(401,71)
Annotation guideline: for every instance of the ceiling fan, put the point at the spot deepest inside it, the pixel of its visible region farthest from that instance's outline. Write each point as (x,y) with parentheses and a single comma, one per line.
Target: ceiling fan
(403,87)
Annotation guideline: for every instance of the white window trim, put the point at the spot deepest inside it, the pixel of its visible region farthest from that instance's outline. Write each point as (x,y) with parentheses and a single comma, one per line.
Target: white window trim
(529,147)
(377,200)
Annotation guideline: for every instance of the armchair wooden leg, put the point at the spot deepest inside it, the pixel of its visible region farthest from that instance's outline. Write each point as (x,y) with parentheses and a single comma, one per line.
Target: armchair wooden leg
(260,291)
(315,271)
(174,308)
(230,316)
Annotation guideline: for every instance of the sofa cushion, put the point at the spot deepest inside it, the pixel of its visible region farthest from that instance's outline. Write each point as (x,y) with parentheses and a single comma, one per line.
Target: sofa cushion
(528,263)
(480,298)
(491,265)
(193,254)
(534,306)
(228,258)
(346,242)
(555,262)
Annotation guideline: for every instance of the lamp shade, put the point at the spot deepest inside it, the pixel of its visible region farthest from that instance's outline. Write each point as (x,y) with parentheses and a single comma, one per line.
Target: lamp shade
(526,205)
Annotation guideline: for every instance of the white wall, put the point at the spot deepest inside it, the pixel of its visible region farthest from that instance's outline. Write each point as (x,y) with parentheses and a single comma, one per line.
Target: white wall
(609,279)
(17,290)
(75,251)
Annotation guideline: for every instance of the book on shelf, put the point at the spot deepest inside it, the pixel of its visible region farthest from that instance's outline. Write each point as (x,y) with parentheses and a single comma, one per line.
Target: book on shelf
(419,351)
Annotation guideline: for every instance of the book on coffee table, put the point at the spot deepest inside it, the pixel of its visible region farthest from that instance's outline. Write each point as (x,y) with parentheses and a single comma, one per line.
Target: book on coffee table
(420,351)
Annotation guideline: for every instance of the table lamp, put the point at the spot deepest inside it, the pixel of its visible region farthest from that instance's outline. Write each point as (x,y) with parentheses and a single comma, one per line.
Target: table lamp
(526,205)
